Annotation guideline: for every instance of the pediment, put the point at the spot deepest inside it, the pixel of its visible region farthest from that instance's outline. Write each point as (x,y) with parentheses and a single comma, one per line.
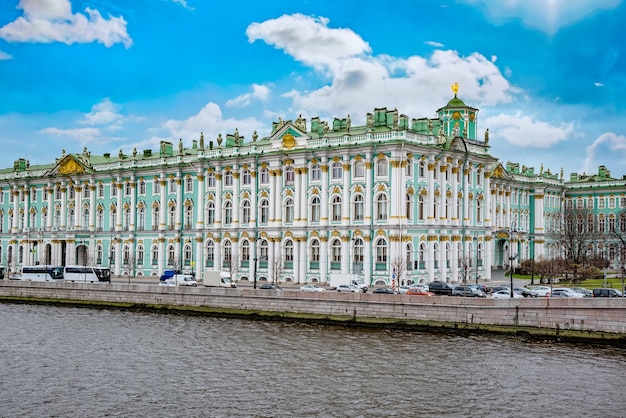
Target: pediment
(70,166)
(289,136)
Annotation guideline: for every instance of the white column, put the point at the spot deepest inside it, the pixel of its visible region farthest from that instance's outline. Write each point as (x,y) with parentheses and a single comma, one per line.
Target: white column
(63,206)
(324,257)
(324,207)
(179,205)
(78,207)
(163,210)
(345,210)
(92,207)
(200,206)
(302,259)
(133,208)
(50,216)
(369,195)
(236,205)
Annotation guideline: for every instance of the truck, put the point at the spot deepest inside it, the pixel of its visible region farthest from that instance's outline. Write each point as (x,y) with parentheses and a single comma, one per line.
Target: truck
(337,279)
(214,278)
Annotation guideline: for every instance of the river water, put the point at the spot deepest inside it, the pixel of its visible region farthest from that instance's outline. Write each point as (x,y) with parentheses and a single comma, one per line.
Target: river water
(77,362)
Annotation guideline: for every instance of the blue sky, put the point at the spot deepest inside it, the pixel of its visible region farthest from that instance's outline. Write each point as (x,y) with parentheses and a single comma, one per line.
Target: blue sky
(549,76)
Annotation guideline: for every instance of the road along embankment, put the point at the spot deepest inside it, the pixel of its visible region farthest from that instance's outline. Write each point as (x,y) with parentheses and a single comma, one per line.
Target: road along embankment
(589,319)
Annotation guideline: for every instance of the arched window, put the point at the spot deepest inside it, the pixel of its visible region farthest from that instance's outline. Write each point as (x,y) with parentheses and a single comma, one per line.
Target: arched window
(113,218)
(336,171)
(315,253)
(263,251)
(336,208)
(85,222)
(358,205)
(358,255)
(99,254)
(171,222)
(316,172)
(155,217)
(420,207)
(335,254)
(289,210)
(436,256)
(289,175)
(245,212)
(210,213)
(140,255)
(245,252)
(210,180)
(154,255)
(210,253)
(228,178)
(126,255)
(289,254)
(479,210)
(141,221)
(126,219)
(228,253)
(315,209)
(264,176)
(189,185)
(381,207)
(187,255)
(409,206)
(142,187)
(100,218)
(382,167)
(172,185)
(171,255)
(381,254)
(188,216)
(422,169)
(359,169)
(265,211)
(70,218)
(127,189)
(246,177)
(228,212)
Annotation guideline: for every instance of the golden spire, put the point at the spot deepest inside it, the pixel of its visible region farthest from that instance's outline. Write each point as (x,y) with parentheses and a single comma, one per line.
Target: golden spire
(455,88)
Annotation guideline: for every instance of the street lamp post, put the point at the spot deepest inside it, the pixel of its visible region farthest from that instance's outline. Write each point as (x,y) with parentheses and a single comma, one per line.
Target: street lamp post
(256,259)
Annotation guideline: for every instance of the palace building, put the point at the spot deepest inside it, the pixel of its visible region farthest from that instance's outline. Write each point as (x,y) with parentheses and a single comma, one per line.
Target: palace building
(422,199)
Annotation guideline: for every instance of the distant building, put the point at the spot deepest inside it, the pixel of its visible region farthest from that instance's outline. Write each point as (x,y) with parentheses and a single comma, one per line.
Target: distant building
(423,197)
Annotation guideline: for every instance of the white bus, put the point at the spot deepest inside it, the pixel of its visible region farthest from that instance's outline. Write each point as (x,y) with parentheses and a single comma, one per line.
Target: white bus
(86,274)
(42,273)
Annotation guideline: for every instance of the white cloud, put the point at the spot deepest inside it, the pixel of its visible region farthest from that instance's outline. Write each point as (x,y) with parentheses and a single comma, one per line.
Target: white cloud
(209,121)
(609,143)
(308,39)
(48,21)
(82,135)
(360,81)
(259,92)
(523,131)
(598,84)
(183,3)
(105,112)
(5,56)
(546,15)
(434,44)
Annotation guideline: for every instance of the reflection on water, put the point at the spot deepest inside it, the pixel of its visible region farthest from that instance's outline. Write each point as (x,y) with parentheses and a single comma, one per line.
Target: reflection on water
(59,361)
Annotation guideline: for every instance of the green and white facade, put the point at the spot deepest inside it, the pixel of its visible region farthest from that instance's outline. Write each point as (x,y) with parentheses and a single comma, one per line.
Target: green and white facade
(423,197)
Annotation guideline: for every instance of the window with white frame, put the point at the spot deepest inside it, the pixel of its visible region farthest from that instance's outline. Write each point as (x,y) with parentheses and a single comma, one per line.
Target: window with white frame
(140,255)
(228,178)
(245,212)
(264,211)
(189,216)
(246,177)
(210,252)
(210,180)
(336,171)
(381,207)
(381,250)
(359,169)
(155,217)
(336,208)
(289,251)
(316,172)
(335,251)
(358,207)
(141,219)
(382,167)
(245,251)
(210,213)
(228,212)
(114,190)
(127,189)
(154,255)
(172,186)
(290,176)
(315,209)
(142,187)
(189,185)
(315,250)
(264,176)
(289,210)
(171,217)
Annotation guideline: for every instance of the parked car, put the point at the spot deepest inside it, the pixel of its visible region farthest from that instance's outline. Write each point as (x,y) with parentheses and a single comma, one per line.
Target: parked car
(419,292)
(269,286)
(403,289)
(585,292)
(440,288)
(499,288)
(167,282)
(386,290)
(422,286)
(506,294)
(348,288)
(480,286)
(527,293)
(468,291)
(312,287)
(565,292)
(541,290)
(606,293)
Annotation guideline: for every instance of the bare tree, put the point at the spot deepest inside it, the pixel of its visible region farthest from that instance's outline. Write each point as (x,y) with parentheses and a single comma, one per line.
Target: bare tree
(576,235)
(276,270)
(398,265)
(466,264)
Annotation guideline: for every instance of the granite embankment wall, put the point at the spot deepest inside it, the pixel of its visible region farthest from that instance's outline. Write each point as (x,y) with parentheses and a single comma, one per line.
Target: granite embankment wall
(603,315)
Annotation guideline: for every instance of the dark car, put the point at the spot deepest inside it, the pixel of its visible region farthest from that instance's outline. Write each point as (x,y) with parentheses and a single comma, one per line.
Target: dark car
(386,290)
(606,293)
(468,291)
(480,286)
(269,286)
(440,288)
(527,293)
